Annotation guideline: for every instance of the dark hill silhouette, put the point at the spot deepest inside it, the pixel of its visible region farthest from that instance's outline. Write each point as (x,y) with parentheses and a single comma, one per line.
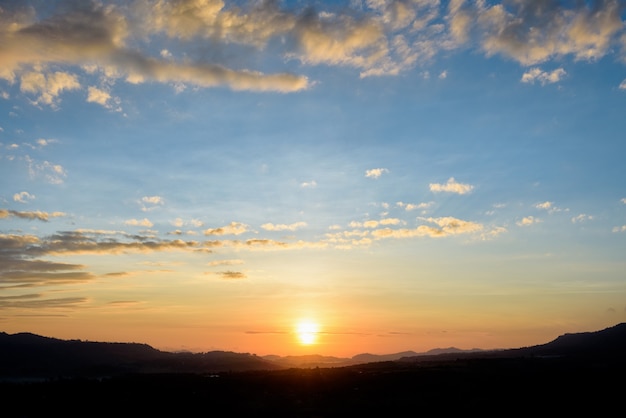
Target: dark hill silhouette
(30,355)
(607,345)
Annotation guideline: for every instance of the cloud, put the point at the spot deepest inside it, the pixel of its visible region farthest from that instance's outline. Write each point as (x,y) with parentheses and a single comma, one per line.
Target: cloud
(619,228)
(52,173)
(30,215)
(49,86)
(139,222)
(101,97)
(224,263)
(91,34)
(549,206)
(232,275)
(623,200)
(532,32)
(410,206)
(375,173)
(23,197)
(622,85)
(34,301)
(132,40)
(234,228)
(283,227)
(440,227)
(582,218)
(451,187)
(545,205)
(527,221)
(535,74)
(309,184)
(149,203)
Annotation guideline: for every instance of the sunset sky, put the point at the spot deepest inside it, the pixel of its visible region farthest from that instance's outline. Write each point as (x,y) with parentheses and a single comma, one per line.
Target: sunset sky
(293,177)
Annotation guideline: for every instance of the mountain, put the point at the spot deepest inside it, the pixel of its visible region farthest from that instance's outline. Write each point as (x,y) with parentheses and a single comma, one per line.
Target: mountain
(607,345)
(30,355)
(313,360)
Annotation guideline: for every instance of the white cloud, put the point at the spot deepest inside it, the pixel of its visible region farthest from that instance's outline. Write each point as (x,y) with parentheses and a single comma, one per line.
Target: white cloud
(149,203)
(452,186)
(23,197)
(308,184)
(623,200)
(619,228)
(528,220)
(139,222)
(375,173)
(52,173)
(549,206)
(49,86)
(443,75)
(444,226)
(544,205)
(622,85)
(582,218)
(283,227)
(411,206)
(535,74)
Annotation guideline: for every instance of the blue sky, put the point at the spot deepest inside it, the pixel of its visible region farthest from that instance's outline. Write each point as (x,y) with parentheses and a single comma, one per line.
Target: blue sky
(405,174)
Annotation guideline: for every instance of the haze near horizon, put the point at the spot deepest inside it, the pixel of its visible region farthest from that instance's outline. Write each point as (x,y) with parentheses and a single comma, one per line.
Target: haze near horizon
(291,177)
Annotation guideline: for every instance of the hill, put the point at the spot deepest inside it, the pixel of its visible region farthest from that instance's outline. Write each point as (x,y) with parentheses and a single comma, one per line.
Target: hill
(29,355)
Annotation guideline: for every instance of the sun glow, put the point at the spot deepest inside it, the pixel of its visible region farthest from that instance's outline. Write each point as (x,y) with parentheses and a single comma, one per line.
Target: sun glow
(307,332)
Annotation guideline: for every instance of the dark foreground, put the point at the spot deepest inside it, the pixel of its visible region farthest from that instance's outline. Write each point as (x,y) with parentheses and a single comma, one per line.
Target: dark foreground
(492,387)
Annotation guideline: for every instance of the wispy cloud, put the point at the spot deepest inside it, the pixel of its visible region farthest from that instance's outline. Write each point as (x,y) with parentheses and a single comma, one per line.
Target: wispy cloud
(216,263)
(436,227)
(23,197)
(139,222)
(582,218)
(283,227)
(412,206)
(234,228)
(48,87)
(52,173)
(375,173)
(527,221)
(536,74)
(232,275)
(451,186)
(550,207)
(149,203)
(30,215)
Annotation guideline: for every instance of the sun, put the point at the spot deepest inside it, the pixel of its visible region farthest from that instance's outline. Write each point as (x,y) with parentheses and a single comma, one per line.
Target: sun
(307,331)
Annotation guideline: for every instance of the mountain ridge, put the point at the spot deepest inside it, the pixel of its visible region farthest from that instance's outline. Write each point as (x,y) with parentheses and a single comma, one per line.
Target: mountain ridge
(30,355)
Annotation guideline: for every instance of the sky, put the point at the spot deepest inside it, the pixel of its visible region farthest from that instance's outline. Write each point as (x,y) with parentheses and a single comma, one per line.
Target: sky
(298,177)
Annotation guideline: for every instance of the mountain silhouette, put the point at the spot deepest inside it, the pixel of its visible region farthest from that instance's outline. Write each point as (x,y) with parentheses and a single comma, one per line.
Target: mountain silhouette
(26,354)
(29,355)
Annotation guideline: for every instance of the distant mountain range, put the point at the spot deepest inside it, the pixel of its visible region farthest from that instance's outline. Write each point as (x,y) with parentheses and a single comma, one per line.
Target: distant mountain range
(330,361)
(25,355)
